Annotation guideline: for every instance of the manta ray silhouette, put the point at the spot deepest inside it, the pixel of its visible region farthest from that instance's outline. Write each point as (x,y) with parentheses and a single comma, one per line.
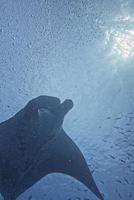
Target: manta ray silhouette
(34,144)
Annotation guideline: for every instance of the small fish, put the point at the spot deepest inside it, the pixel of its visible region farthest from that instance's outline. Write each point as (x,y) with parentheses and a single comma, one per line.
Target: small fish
(131,170)
(123,161)
(85,190)
(131,118)
(117,118)
(104,140)
(119,181)
(129,154)
(130,195)
(117,127)
(130,113)
(128,124)
(128,131)
(112,156)
(126,180)
(101,182)
(30,197)
(119,195)
(121,132)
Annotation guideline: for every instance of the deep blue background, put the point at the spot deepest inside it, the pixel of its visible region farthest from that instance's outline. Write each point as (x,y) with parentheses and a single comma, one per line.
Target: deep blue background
(70,49)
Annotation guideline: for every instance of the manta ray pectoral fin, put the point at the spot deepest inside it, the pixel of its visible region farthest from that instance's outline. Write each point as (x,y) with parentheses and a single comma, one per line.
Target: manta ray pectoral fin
(63,156)
(68,159)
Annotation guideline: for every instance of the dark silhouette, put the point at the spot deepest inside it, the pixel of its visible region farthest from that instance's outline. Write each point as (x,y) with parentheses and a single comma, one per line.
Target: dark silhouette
(34,144)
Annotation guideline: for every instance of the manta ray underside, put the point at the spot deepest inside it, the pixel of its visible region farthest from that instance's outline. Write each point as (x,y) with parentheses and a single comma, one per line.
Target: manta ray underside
(34,144)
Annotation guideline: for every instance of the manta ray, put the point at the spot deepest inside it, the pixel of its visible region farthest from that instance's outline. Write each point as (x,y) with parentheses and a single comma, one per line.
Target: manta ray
(33,144)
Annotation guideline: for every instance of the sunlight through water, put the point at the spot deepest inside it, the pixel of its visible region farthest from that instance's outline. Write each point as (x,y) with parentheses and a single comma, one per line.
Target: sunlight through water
(120,38)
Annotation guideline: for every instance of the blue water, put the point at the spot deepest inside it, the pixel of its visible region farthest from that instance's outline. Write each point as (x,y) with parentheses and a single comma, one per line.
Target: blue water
(83,50)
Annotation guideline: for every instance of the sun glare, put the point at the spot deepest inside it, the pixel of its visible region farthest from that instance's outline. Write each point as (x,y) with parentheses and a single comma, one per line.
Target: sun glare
(120,38)
(123,44)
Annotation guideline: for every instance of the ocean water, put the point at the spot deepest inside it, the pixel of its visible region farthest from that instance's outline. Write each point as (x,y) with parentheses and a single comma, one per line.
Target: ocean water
(82,50)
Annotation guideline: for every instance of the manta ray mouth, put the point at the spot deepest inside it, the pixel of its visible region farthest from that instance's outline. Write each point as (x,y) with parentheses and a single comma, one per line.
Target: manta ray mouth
(61,109)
